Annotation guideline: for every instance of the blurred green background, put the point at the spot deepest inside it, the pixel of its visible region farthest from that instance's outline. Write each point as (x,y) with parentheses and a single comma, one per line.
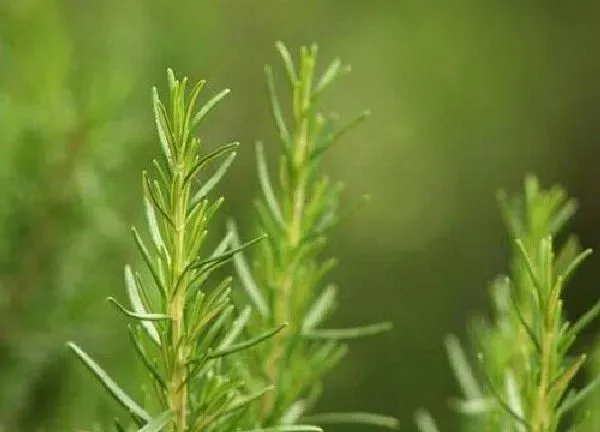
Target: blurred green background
(467,96)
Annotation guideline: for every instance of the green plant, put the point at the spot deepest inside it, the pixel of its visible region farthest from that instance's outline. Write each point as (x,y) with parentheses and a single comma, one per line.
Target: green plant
(524,382)
(182,326)
(285,281)
(588,415)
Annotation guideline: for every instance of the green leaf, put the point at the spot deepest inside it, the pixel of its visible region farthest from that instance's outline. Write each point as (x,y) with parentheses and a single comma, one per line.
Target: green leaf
(294,412)
(206,159)
(162,125)
(137,413)
(425,422)
(561,217)
(153,225)
(265,184)
(243,271)
(530,269)
(335,136)
(137,305)
(222,246)
(462,369)
(142,354)
(146,256)
(236,328)
(348,333)
(573,265)
(139,316)
(153,191)
(214,179)
(246,344)
(276,108)
(320,308)
(287,61)
(333,71)
(243,401)
(226,256)
(585,319)
(208,106)
(575,399)
(158,423)
(364,418)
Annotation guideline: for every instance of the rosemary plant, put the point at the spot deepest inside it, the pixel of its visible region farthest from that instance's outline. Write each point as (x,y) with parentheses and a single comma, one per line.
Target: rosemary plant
(181,325)
(285,282)
(526,368)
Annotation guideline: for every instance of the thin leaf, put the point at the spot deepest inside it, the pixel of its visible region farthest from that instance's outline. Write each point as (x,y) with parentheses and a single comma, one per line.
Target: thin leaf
(246,344)
(153,225)
(236,328)
(214,179)
(333,71)
(287,61)
(226,256)
(137,305)
(265,184)
(137,413)
(243,271)
(244,401)
(335,136)
(208,106)
(276,107)
(425,422)
(294,412)
(461,367)
(530,269)
(364,418)
(138,316)
(349,333)
(146,256)
(206,159)
(142,354)
(222,246)
(572,402)
(320,308)
(498,397)
(162,125)
(514,399)
(573,265)
(586,319)
(158,423)
(561,217)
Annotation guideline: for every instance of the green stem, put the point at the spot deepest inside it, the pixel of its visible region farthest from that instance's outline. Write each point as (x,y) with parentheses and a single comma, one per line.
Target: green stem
(284,276)
(178,391)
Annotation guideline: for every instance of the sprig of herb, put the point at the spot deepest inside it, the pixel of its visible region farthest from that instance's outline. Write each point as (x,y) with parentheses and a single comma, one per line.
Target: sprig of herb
(285,282)
(526,368)
(182,326)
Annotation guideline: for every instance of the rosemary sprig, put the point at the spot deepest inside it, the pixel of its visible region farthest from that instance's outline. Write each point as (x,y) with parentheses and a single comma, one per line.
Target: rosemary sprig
(524,353)
(182,326)
(285,284)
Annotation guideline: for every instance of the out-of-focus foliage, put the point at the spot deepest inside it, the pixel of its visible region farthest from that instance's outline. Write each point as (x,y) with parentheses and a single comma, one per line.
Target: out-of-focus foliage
(287,280)
(67,126)
(466,97)
(527,364)
(588,414)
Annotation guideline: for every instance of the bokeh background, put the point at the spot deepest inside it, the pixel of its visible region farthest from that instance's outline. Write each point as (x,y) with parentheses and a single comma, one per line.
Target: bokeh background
(467,96)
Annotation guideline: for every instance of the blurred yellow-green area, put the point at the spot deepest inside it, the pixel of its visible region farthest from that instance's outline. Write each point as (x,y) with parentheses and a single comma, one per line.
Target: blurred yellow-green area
(467,97)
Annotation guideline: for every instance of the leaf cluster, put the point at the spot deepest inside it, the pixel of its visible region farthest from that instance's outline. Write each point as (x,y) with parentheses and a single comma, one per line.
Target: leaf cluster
(284,281)
(525,365)
(182,324)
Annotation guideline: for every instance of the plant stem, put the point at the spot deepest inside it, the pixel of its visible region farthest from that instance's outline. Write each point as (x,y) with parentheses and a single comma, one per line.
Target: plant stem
(285,274)
(177,387)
